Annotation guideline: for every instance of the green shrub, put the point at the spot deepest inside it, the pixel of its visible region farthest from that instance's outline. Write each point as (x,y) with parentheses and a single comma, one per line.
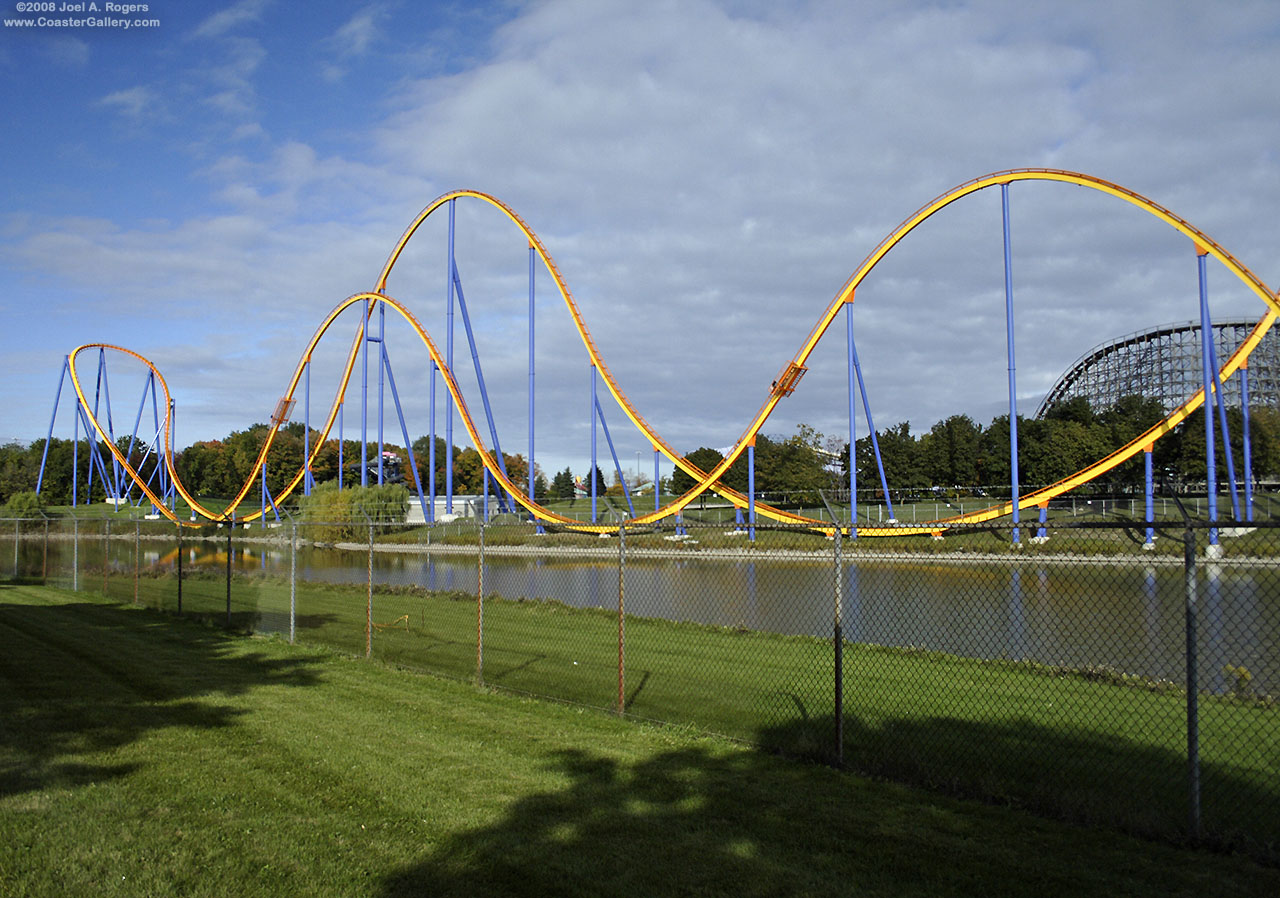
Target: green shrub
(333,515)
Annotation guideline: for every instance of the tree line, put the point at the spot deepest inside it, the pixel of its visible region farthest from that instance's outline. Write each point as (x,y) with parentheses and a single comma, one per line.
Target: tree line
(955,453)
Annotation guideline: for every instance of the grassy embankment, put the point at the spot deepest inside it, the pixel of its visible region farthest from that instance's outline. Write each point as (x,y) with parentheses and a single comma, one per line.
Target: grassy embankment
(143,755)
(1094,746)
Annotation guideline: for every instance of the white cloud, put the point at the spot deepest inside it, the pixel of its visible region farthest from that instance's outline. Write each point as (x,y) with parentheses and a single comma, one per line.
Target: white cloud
(707,176)
(69,51)
(134,103)
(231,18)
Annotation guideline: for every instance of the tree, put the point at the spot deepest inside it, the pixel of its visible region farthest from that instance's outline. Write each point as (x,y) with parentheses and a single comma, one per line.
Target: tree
(949,452)
(702,457)
(562,486)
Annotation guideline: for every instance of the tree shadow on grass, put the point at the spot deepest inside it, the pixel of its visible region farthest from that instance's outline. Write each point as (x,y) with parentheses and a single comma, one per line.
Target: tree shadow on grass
(1080,776)
(82,678)
(722,820)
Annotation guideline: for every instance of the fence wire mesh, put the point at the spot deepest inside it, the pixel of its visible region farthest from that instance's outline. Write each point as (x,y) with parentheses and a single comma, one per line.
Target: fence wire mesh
(1090,675)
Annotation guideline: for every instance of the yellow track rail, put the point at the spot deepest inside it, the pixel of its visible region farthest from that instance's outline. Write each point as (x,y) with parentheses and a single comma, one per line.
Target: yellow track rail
(709,480)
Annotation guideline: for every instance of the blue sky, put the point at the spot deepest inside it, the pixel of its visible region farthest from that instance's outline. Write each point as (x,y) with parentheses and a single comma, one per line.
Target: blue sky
(706,174)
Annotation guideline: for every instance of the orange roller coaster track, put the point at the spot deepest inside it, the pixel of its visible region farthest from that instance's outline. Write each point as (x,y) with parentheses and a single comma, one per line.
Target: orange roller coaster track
(783,386)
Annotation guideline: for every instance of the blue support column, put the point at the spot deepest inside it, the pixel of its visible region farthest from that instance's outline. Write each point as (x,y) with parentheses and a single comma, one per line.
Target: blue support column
(382,333)
(1013,397)
(657,497)
(306,430)
(173,439)
(57,399)
(484,392)
(431,452)
(1044,515)
(1248,443)
(263,516)
(1206,332)
(448,402)
(1221,404)
(1150,496)
(532,498)
(404,431)
(751,490)
(109,485)
(591,474)
(364,394)
(871,427)
(75,459)
(617,466)
(853,425)
(133,436)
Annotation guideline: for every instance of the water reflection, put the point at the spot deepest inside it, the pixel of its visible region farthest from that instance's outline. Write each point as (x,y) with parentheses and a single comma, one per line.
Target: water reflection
(1129,618)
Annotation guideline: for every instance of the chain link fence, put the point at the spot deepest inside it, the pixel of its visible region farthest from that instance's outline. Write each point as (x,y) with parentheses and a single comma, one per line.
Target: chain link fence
(1086,673)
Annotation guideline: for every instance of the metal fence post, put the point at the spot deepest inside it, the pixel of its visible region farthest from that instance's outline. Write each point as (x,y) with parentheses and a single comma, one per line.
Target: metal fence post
(293,578)
(1193,687)
(480,609)
(179,526)
(839,646)
(622,641)
(368,616)
(230,527)
(106,555)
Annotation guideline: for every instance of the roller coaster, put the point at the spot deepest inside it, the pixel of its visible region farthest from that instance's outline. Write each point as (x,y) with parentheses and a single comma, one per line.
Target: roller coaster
(161,487)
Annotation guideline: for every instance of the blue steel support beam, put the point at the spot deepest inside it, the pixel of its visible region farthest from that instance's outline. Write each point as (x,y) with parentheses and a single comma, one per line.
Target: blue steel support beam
(431,452)
(1013,393)
(448,399)
(160,465)
(173,441)
(137,422)
(591,473)
(404,431)
(75,459)
(1150,496)
(853,424)
(657,498)
(57,399)
(1248,448)
(871,427)
(751,490)
(364,395)
(382,333)
(1206,336)
(532,281)
(113,486)
(95,456)
(306,431)
(616,464)
(1221,405)
(484,392)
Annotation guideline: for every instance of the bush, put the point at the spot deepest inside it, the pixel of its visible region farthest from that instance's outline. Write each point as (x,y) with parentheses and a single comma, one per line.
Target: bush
(24,505)
(345,514)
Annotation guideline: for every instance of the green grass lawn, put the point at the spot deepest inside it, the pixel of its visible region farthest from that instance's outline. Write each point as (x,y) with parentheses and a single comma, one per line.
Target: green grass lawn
(147,755)
(1088,746)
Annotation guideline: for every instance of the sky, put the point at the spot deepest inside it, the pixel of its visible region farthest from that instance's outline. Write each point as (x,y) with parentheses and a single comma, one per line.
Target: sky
(204,186)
